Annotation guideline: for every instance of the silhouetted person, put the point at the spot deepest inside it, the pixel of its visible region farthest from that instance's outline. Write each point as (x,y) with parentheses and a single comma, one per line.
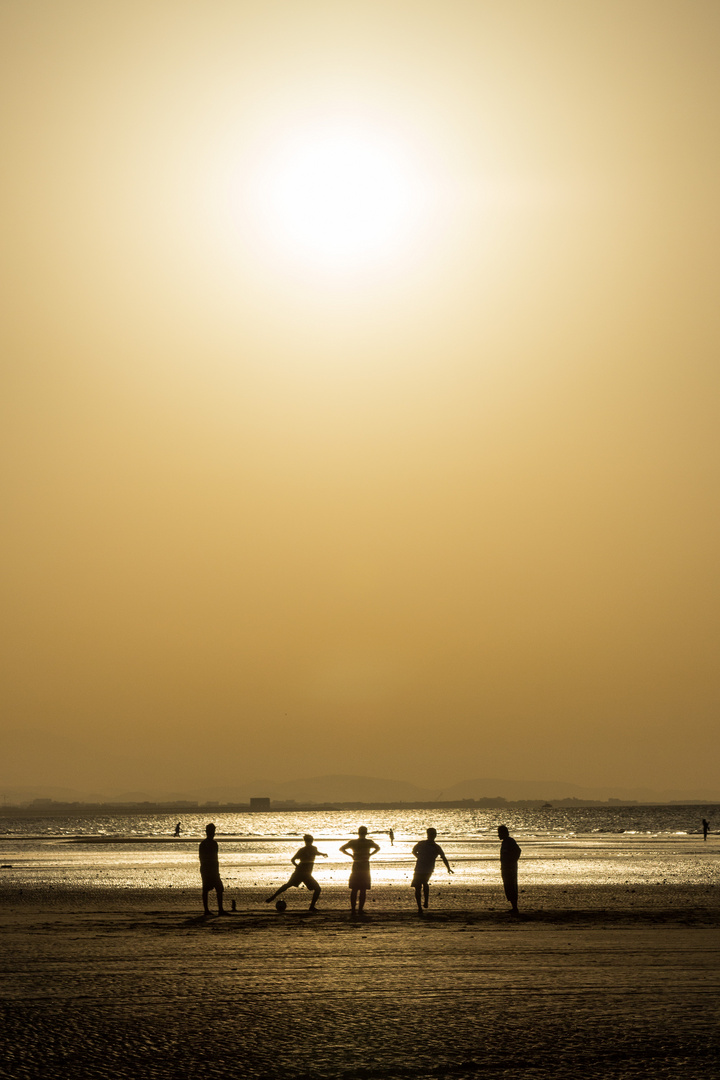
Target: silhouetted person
(360,851)
(210,870)
(426,852)
(303,861)
(177,829)
(705,827)
(509,855)
(391,834)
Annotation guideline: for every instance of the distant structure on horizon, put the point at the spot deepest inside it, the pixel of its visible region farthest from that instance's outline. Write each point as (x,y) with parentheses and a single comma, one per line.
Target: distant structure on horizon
(260,805)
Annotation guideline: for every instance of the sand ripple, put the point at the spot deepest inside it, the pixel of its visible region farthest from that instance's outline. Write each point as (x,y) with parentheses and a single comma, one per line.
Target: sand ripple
(130,986)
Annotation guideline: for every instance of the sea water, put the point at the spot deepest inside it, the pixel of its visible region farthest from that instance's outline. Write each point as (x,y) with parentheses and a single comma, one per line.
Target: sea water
(598,845)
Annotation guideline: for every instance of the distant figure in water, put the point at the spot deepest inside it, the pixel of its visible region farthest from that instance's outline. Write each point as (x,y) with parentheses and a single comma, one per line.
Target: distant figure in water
(509,855)
(303,861)
(361,851)
(210,870)
(426,852)
(177,829)
(391,834)
(706,827)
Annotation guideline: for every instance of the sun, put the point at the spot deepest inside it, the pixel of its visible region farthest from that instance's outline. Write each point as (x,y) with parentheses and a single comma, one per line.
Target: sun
(341,196)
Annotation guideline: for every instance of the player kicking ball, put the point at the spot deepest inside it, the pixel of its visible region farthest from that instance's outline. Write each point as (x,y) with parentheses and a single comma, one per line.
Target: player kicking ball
(303,861)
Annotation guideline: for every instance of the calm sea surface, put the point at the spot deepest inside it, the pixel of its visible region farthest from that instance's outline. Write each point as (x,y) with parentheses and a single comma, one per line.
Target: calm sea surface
(599,845)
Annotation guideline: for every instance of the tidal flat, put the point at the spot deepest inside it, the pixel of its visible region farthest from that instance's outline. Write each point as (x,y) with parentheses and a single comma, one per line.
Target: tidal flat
(609,981)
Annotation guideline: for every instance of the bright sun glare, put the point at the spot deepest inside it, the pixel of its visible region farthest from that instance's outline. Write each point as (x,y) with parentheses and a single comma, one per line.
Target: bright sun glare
(341,197)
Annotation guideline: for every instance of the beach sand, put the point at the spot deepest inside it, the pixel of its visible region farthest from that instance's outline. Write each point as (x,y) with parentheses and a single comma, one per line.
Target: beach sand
(610,982)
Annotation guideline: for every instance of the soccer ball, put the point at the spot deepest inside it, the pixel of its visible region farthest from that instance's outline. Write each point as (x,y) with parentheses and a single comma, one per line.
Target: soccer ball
(280,905)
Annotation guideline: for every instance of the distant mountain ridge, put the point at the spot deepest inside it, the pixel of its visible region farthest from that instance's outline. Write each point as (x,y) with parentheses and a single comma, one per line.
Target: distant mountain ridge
(516,790)
(369,789)
(345,788)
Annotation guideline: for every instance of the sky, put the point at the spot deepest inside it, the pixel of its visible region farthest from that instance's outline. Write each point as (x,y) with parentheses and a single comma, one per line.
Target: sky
(360,383)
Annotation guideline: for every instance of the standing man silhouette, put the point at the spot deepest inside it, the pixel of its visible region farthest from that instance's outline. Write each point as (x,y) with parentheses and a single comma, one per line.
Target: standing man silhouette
(509,855)
(705,828)
(426,852)
(361,851)
(210,870)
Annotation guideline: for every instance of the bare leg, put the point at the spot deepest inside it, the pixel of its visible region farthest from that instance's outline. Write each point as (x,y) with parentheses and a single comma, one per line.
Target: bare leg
(269,899)
(426,894)
(361,899)
(205,894)
(315,895)
(353,899)
(220,889)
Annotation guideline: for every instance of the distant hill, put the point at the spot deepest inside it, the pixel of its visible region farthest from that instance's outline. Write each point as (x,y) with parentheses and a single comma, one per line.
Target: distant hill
(341,788)
(514,790)
(316,789)
(345,788)
(21,795)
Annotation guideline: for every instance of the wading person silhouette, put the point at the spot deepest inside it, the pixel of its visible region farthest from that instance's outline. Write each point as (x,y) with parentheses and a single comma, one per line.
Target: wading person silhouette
(426,852)
(177,829)
(509,855)
(361,851)
(210,870)
(705,828)
(303,860)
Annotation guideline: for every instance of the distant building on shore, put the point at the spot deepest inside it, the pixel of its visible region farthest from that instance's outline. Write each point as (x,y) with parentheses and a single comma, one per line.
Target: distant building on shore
(259,805)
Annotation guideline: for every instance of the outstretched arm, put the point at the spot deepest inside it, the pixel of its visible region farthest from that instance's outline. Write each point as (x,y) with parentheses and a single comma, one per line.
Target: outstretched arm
(444,859)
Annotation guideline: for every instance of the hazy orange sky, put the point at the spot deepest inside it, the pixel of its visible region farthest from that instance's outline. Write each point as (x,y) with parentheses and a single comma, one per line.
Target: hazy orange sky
(427,489)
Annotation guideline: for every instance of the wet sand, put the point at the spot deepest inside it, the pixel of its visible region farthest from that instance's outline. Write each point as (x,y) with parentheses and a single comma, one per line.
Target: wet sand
(606,981)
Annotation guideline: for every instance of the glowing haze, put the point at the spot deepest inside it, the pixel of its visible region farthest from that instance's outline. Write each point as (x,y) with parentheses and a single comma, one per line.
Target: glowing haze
(338,197)
(360,392)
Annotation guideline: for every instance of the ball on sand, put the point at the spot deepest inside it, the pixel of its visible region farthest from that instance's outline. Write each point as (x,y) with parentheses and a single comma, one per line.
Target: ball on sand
(280,905)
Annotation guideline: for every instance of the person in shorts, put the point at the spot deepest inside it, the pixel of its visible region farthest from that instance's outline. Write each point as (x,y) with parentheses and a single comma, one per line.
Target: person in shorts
(426,853)
(361,851)
(210,870)
(304,862)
